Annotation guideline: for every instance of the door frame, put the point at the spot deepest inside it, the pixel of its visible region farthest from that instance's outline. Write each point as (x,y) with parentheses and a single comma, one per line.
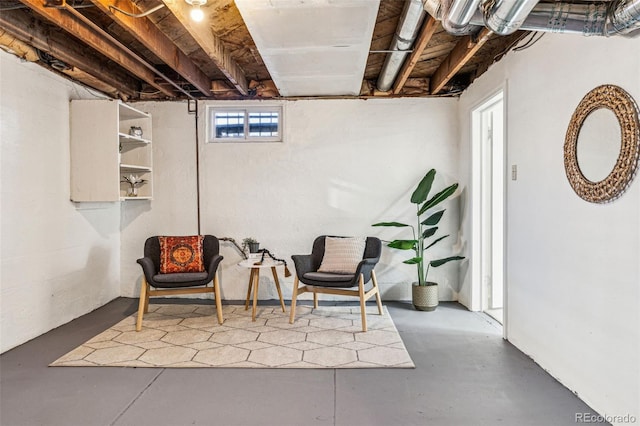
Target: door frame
(476,200)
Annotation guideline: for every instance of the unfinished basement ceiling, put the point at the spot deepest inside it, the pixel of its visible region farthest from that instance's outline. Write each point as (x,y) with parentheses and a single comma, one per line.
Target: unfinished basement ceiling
(259,49)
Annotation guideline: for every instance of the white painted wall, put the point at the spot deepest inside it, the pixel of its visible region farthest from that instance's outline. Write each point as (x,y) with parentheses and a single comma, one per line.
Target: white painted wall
(58,260)
(343,166)
(173,210)
(573,275)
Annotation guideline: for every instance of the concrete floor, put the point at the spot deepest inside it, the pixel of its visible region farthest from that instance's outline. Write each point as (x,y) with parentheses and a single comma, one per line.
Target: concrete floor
(465,374)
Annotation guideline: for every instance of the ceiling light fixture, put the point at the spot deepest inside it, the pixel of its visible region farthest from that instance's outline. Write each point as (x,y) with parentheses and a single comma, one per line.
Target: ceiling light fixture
(196,13)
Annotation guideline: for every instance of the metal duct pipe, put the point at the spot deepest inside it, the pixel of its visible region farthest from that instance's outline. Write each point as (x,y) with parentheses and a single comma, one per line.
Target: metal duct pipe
(601,18)
(458,14)
(407,30)
(505,17)
(625,18)
(585,18)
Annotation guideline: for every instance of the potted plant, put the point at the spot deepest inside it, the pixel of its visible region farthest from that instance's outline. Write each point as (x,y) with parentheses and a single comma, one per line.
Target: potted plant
(252,244)
(424,293)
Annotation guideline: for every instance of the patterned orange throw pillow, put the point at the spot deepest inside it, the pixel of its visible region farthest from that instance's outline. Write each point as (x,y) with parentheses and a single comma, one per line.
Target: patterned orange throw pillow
(181,254)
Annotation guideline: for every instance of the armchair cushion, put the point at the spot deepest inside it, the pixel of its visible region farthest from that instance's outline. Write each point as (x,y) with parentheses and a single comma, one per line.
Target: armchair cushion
(328,277)
(181,254)
(180,277)
(342,255)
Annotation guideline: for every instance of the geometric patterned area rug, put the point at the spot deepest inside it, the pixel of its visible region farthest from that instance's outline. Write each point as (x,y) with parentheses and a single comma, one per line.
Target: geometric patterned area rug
(179,336)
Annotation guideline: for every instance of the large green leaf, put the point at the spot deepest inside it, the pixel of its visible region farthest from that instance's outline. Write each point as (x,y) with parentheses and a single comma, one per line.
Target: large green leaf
(413,261)
(438,198)
(397,224)
(422,191)
(433,219)
(440,262)
(429,232)
(436,241)
(402,244)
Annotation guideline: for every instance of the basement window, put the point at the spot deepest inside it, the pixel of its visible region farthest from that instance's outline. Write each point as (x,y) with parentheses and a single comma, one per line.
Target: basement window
(250,124)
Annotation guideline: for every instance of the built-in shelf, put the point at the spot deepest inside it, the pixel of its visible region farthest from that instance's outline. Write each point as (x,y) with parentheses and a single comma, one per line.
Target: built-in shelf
(135,198)
(103,154)
(133,168)
(125,138)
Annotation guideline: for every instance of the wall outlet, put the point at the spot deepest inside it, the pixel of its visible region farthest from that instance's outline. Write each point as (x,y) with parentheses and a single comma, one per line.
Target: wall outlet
(514,172)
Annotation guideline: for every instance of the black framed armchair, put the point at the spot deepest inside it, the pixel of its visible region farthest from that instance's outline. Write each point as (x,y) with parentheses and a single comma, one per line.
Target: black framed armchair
(316,279)
(168,284)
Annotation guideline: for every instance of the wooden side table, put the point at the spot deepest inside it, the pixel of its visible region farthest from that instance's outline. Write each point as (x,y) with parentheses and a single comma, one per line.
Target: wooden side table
(254,281)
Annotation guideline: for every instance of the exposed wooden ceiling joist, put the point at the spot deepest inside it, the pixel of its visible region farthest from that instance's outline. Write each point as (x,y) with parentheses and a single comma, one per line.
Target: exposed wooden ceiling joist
(218,58)
(18,47)
(71,23)
(79,75)
(459,56)
(212,45)
(21,25)
(426,32)
(158,43)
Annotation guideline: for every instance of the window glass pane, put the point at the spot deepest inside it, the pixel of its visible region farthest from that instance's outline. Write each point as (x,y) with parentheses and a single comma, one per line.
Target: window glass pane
(263,124)
(229,124)
(240,124)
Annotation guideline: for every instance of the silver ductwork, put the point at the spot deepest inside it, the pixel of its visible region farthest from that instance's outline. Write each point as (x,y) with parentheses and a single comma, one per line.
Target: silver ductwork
(457,15)
(625,18)
(598,18)
(408,26)
(584,18)
(505,17)
(619,17)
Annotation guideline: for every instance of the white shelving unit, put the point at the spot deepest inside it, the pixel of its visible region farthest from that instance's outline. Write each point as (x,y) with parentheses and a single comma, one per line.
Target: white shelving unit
(103,151)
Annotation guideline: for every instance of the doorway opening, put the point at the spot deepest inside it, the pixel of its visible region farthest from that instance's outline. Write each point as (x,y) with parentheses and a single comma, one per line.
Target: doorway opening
(488,152)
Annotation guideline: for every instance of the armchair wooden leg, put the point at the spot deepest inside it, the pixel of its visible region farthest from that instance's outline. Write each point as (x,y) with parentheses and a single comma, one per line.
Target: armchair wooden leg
(294,296)
(216,290)
(146,297)
(315,300)
(375,284)
(363,305)
(143,301)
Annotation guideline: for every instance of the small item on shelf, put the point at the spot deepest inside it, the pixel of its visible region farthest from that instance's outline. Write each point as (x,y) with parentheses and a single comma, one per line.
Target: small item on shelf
(135,131)
(134,181)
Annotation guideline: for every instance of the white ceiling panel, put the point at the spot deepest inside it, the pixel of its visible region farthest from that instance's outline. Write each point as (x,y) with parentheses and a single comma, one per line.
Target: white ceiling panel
(329,86)
(312,47)
(311,63)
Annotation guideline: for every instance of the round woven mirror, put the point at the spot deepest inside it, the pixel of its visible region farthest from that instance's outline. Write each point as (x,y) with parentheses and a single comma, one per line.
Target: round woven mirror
(622,105)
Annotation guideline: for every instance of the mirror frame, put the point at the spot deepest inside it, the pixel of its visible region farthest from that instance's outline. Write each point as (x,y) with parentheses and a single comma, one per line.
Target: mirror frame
(618,101)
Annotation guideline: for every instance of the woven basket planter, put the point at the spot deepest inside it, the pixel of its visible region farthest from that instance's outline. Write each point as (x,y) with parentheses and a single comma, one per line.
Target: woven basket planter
(425,297)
